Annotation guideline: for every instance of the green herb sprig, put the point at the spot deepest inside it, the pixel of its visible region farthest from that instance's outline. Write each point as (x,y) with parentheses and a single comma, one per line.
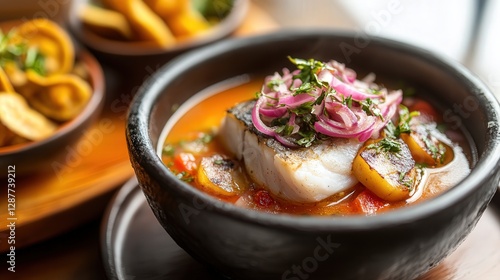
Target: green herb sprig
(25,57)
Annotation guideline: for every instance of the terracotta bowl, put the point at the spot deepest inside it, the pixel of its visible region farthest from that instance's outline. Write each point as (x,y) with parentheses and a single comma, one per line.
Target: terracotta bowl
(58,151)
(239,243)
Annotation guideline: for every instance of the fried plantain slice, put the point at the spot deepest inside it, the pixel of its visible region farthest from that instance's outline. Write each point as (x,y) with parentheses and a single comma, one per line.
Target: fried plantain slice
(18,117)
(59,97)
(147,25)
(180,15)
(5,84)
(106,22)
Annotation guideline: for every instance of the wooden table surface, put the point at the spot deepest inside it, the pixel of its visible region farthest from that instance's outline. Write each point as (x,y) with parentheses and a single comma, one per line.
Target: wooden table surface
(74,253)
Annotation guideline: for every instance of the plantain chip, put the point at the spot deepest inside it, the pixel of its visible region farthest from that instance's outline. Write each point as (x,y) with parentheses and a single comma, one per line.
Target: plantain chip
(16,76)
(18,117)
(5,85)
(167,7)
(187,24)
(107,23)
(181,16)
(58,97)
(147,25)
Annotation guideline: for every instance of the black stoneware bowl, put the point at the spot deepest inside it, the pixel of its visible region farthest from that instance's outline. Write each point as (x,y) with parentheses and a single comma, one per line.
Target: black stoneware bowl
(244,244)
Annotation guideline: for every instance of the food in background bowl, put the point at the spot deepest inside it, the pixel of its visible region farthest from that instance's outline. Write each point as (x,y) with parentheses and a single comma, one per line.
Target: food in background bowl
(41,85)
(241,243)
(137,58)
(316,140)
(154,23)
(50,94)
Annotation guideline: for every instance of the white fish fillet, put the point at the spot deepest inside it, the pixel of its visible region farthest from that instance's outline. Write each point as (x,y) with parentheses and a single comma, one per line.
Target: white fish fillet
(302,175)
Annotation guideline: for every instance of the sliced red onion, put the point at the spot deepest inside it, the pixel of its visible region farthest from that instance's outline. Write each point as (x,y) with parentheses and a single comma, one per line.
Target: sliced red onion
(328,130)
(343,88)
(275,112)
(334,116)
(341,110)
(257,121)
(291,101)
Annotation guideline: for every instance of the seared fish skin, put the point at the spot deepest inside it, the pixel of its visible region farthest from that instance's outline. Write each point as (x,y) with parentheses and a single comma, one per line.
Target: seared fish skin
(301,175)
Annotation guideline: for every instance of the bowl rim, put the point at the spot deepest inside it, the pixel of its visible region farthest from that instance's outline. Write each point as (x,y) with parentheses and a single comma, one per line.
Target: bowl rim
(92,107)
(138,141)
(123,48)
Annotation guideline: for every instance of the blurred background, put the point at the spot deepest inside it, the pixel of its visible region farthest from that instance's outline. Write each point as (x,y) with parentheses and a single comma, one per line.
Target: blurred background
(446,27)
(463,30)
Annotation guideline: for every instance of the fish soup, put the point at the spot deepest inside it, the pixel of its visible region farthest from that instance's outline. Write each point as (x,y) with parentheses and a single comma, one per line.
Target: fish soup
(315,140)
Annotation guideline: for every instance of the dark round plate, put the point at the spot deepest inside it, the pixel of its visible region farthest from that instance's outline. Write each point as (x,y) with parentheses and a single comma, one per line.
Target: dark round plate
(135,246)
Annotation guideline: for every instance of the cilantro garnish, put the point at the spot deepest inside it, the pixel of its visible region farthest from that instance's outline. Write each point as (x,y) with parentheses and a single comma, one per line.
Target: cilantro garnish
(309,69)
(168,150)
(347,101)
(370,108)
(22,55)
(298,124)
(407,182)
(390,145)
(185,176)
(395,131)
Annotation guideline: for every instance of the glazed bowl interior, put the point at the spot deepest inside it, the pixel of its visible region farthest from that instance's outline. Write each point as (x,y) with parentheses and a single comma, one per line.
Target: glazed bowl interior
(247,244)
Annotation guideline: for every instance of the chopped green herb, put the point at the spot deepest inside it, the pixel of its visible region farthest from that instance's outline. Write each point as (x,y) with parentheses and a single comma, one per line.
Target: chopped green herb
(387,145)
(442,153)
(307,138)
(21,55)
(275,83)
(304,108)
(309,68)
(437,152)
(184,176)
(403,126)
(407,182)
(421,165)
(206,138)
(219,161)
(284,129)
(303,88)
(369,106)
(168,150)
(347,101)
(320,99)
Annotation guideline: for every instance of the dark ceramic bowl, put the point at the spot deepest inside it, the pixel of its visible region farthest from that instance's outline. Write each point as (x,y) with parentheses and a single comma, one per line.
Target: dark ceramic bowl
(140,60)
(56,152)
(244,244)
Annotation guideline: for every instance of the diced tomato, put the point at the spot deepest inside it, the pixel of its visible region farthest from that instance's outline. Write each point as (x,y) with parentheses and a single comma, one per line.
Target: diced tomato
(425,109)
(185,162)
(263,198)
(368,203)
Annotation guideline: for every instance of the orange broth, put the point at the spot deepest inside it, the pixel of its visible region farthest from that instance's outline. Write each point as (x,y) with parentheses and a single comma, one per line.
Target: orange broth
(203,119)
